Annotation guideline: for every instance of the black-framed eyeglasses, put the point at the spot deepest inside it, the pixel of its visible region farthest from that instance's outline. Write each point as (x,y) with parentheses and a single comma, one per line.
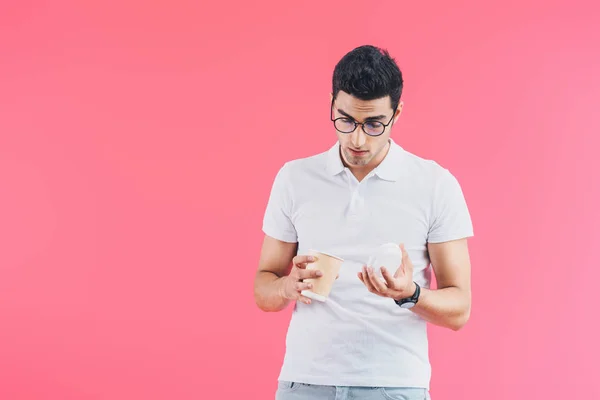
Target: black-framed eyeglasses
(348,125)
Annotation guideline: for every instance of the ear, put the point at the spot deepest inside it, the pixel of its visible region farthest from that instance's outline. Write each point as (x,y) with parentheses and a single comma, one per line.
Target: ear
(398,111)
(330,97)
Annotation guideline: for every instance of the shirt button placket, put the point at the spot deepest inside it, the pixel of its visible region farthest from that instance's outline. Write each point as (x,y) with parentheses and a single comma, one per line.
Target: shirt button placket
(356,209)
(353,207)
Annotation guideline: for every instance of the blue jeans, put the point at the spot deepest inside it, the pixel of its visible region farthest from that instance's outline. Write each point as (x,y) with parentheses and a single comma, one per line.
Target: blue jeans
(302,391)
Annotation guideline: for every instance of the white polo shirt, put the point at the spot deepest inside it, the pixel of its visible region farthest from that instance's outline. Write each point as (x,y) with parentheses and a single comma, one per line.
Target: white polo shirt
(357,338)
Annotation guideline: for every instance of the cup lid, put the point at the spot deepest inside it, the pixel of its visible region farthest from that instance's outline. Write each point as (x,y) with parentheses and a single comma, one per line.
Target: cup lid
(327,254)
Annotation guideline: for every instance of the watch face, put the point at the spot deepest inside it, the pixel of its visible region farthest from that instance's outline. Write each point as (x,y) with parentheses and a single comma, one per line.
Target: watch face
(408,304)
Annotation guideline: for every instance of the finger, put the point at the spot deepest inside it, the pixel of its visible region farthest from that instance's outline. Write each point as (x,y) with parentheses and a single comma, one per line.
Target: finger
(300,286)
(375,281)
(365,280)
(389,279)
(303,299)
(368,281)
(301,261)
(399,272)
(309,273)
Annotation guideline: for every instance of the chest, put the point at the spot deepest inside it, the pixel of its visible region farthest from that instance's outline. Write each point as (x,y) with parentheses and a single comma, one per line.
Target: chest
(348,217)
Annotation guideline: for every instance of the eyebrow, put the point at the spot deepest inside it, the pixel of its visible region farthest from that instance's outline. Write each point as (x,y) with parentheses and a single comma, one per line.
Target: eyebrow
(345,114)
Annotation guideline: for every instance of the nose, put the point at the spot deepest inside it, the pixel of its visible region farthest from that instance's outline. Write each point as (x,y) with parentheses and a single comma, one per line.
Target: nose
(358,137)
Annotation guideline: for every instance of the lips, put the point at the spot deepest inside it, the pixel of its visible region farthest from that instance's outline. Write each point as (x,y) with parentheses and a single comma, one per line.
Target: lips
(357,152)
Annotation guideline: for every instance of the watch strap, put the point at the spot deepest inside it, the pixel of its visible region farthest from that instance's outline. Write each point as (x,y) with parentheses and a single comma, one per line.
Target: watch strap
(412,299)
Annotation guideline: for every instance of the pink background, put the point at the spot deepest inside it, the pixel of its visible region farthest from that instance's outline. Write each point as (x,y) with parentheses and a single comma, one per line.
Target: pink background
(126,271)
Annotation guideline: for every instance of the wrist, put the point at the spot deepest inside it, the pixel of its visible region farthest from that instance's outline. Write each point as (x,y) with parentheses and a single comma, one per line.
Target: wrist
(408,292)
(409,300)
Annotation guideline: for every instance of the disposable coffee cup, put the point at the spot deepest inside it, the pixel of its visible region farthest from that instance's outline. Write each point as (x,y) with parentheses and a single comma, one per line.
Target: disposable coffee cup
(388,255)
(330,266)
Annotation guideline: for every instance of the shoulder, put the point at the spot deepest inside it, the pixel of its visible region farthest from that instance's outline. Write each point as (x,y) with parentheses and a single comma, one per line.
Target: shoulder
(301,167)
(426,170)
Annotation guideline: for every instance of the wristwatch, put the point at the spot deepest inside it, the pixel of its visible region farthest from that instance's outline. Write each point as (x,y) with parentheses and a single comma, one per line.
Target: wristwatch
(409,302)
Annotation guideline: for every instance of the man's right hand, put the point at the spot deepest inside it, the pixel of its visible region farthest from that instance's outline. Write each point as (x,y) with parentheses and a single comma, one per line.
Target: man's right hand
(292,284)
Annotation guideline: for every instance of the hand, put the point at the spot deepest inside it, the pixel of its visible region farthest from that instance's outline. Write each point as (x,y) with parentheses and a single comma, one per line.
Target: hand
(398,286)
(292,284)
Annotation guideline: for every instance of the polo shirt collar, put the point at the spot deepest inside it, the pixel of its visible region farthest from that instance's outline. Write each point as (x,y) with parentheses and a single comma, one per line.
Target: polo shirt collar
(334,160)
(389,169)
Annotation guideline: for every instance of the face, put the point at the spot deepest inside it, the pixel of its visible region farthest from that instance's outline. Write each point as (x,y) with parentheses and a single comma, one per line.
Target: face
(360,150)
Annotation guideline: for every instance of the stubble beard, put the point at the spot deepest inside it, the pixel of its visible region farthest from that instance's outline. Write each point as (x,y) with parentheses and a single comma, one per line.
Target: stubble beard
(356,161)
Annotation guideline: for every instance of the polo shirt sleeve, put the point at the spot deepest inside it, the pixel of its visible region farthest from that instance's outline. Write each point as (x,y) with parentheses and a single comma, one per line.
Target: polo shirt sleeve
(277,222)
(450,215)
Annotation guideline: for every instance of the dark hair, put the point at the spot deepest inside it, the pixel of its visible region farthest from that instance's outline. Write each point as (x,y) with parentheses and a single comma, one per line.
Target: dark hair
(368,73)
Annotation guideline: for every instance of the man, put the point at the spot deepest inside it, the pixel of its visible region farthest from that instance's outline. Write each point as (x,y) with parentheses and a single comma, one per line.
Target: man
(369,339)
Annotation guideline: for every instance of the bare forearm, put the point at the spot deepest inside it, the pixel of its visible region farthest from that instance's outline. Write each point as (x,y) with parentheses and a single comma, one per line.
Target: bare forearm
(449,307)
(267,292)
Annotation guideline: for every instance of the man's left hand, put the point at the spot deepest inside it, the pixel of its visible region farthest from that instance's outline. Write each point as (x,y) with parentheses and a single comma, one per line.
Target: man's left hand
(397,286)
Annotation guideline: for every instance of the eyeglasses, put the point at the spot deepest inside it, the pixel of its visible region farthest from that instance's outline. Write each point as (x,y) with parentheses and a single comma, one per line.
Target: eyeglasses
(348,125)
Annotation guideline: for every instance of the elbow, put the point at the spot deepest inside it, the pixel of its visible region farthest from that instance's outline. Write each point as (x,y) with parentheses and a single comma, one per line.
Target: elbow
(264,304)
(462,317)
(259,301)
(259,298)
(265,293)
(460,321)
(264,307)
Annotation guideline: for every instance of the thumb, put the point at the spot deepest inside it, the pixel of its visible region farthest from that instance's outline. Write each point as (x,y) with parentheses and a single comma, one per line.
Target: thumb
(407,265)
(402,249)
(405,259)
(402,267)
